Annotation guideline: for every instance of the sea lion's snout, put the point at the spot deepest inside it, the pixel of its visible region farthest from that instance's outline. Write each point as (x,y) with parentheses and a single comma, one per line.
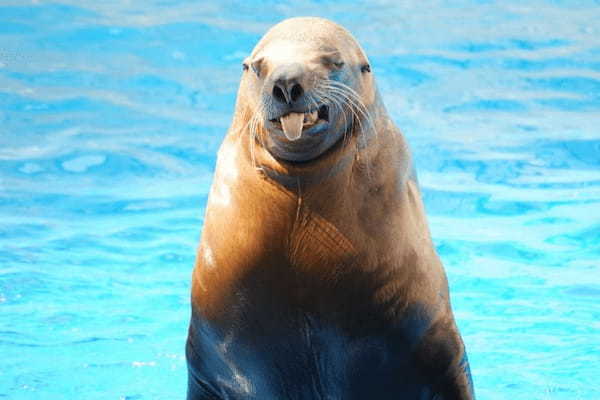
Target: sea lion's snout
(296,108)
(288,83)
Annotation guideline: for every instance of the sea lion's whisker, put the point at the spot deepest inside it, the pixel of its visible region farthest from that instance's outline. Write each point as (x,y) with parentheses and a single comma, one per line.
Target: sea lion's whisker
(349,91)
(354,103)
(336,103)
(252,140)
(259,124)
(247,127)
(255,124)
(354,108)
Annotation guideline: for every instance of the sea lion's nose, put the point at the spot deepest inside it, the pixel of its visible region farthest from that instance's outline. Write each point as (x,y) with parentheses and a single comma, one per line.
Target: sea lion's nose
(287,86)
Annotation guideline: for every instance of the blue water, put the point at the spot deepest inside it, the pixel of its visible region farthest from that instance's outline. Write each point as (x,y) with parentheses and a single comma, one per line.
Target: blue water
(111,114)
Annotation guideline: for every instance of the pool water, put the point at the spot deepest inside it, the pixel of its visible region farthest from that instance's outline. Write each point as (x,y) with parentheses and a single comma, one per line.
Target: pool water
(111,114)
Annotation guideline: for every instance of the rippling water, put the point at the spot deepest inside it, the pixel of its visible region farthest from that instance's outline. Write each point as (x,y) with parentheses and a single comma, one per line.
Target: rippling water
(111,114)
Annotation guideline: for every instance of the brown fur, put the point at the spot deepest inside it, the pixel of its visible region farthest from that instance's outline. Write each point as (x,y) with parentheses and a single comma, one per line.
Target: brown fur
(343,238)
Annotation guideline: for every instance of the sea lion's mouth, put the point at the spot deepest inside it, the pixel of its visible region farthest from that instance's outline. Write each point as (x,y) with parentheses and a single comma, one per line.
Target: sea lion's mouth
(293,124)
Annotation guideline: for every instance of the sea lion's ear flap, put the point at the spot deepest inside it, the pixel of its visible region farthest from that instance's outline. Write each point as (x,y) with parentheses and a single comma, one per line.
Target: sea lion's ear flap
(257,65)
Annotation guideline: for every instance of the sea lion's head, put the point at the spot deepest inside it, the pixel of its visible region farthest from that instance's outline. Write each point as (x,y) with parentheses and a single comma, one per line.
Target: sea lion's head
(306,86)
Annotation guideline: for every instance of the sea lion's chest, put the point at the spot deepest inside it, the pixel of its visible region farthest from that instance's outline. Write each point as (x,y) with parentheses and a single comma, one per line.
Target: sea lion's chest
(294,354)
(303,294)
(311,322)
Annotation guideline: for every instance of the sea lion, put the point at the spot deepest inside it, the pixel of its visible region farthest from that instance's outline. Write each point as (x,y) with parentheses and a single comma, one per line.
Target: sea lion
(316,277)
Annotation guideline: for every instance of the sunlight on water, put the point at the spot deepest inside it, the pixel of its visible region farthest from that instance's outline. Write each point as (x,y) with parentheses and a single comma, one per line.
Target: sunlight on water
(111,115)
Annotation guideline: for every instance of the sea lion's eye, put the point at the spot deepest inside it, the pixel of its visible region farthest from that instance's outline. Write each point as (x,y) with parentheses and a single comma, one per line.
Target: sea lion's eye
(245,66)
(332,60)
(365,68)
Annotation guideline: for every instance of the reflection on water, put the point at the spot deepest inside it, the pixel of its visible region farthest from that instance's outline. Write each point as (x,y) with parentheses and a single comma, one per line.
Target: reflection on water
(111,114)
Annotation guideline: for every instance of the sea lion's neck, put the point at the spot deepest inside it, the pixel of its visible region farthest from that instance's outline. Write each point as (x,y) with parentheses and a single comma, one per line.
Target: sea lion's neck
(298,178)
(357,172)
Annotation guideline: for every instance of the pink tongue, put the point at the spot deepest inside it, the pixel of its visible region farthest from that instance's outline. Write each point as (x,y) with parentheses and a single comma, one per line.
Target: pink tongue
(292,125)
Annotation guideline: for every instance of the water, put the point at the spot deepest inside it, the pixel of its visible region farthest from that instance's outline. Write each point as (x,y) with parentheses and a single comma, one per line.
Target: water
(111,114)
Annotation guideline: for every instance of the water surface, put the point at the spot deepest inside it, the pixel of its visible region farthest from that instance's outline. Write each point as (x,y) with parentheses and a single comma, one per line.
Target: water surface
(110,117)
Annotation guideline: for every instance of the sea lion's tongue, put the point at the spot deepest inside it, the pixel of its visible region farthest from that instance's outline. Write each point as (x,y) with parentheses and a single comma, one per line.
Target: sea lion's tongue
(292,125)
